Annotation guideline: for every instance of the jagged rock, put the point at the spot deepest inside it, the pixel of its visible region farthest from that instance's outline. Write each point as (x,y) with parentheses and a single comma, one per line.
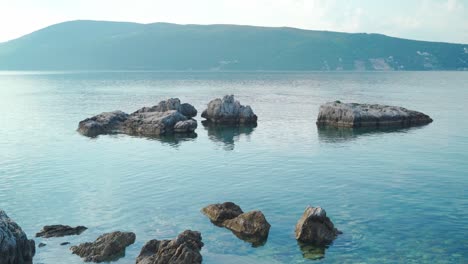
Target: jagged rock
(185,249)
(251,226)
(15,247)
(107,247)
(167,117)
(218,213)
(60,231)
(315,227)
(229,111)
(340,114)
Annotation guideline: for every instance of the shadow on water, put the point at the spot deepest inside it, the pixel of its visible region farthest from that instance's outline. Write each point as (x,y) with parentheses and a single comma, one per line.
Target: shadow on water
(329,134)
(173,140)
(227,135)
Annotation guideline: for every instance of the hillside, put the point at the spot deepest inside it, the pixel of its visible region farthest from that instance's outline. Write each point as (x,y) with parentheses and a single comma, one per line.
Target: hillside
(98,45)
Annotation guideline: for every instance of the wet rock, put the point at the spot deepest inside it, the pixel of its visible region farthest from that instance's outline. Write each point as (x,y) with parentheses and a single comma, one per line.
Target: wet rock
(42,245)
(340,114)
(251,226)
(60,231)
(218,213)
(167,117)
(314,227)
(229,111)
(107,247)
(15,247)
(185,249)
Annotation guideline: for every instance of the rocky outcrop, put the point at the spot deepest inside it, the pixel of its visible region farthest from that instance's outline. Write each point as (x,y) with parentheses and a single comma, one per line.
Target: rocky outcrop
(229,111)
(185,249)
(167,117)
(60,231)
(314,227)
(107,247)
(15,247)
(340,114)
(218,213)
(251,226)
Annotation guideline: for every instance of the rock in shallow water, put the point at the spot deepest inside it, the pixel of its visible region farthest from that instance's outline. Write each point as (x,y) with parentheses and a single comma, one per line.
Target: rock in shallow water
(340,114)
(229,111)
(185,249)
(314,227)
(251,226)
(15,247)
(107,247)
(60,231)
(167,117)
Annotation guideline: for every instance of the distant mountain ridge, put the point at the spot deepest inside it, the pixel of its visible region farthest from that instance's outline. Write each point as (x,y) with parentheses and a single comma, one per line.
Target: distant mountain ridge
(101,45)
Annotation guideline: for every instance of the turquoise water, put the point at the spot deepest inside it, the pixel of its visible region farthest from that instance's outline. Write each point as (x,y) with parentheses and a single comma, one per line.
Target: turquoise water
(399,196)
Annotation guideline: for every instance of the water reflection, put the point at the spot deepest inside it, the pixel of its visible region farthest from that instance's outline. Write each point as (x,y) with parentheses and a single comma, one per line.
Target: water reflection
(312,252)
(173,140)
(227,135)
(329,134)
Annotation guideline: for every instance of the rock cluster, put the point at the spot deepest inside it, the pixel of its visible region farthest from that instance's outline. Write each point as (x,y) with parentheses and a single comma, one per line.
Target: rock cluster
(167,117)
(251,226)
(185,249)
(314,227)
(229,111)
(15,247)
(340,114)
(107,247)
(60,231)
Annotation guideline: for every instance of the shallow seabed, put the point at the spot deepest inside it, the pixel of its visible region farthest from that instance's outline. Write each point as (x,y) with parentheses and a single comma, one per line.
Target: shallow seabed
(399,196)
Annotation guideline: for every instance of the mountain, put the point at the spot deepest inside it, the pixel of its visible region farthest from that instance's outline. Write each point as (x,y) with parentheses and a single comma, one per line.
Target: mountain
(100,45)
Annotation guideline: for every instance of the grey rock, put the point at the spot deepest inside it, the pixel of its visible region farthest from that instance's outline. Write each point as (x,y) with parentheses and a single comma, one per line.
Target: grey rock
(65,243)
(185,249)
(218,213)
(42,245)
(229,111)
(15,247)
(340,114)
(251,226)
(314,227)
(60,231)
(107,247)
(167,117)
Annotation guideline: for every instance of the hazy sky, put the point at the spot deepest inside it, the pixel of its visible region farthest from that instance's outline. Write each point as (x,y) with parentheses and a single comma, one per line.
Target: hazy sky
(438,20)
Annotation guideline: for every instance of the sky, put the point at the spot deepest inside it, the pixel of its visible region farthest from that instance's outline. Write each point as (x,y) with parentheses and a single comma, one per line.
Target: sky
(433,20)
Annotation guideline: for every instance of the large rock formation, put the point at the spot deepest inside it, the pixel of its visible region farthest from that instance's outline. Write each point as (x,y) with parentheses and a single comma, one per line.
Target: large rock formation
(251,226)
(15,247)
(107,247)
(60,231)
(167,117)
(314,227)
(185,249)
(368,115)
(229,111)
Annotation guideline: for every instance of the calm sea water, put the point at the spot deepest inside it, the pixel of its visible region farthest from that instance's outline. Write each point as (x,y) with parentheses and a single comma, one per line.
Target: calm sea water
(399,196)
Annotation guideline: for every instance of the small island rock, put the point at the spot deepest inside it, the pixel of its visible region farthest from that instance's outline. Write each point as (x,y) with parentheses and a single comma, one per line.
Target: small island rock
(218,213)
(229,111)
(340,114)
(167,117)
(107,247)
(60,231)
(185,249)
(15,247)
(315,227)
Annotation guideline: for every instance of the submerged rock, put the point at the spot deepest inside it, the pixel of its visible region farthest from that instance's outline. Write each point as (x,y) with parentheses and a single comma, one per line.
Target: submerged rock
(185,249)
(15,247)
(314,227)
(251,226)
(229,111)
(340,114)
(107,247)
(167,117)
(60,231)
(42,245)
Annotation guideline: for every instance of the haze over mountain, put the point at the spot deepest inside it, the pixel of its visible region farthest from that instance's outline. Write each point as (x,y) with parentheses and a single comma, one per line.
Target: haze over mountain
(101,45)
